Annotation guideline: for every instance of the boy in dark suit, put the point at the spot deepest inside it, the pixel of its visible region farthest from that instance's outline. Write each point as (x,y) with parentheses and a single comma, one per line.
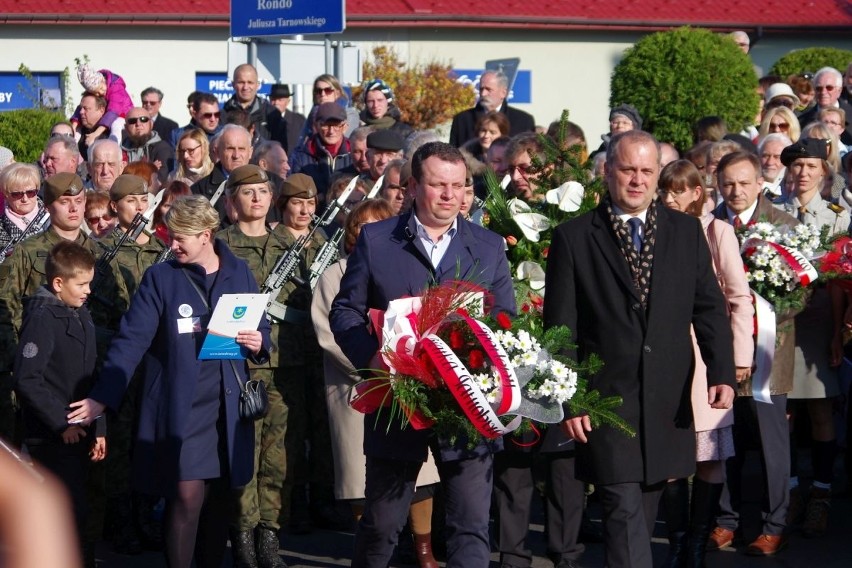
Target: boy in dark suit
(54,366)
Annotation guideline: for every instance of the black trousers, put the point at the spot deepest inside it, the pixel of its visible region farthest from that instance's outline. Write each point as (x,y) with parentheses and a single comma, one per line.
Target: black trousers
(70,463)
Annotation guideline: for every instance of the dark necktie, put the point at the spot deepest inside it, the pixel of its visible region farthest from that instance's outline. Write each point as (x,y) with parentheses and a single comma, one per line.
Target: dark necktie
(635,234)
(737,222)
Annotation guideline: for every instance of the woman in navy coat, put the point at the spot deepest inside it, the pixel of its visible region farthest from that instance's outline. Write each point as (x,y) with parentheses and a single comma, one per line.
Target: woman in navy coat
(191,445)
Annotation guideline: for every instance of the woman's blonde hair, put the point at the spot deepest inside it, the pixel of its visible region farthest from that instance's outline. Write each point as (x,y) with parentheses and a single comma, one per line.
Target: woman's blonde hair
(795,130)
(199,136)
(19,176)
(191,215)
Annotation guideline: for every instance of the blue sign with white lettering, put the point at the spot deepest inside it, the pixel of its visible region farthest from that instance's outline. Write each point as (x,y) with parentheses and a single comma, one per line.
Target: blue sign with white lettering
(220,85)
(521,91)
(250,18)
(17,92)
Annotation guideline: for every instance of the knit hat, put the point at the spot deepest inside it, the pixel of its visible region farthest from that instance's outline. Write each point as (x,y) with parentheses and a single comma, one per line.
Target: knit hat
(628,111)
(379,85)
(89,78)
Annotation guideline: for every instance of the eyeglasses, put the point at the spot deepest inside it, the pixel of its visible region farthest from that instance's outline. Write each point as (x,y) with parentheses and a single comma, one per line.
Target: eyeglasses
(150,103)
(135,119)
(324,91)
(209,115)
(96,220)
(829,88)
(30,193)
(807,76)
(783,126)
(188,150)
(830,122)
(61,135)
(673,192)
(523,169)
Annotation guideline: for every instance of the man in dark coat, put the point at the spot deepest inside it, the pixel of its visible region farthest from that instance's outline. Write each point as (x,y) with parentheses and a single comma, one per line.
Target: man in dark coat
(632,276)
(828,85)
(152,99)
(493,90)
(401,257)
(284,124)
(245,97)
(740,183)
(142,143)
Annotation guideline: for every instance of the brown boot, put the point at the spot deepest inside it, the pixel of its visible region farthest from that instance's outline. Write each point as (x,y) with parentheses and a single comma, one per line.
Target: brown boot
(423,551)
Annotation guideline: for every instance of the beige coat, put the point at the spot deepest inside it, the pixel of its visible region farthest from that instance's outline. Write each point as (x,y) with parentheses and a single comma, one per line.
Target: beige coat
(346,424)
(732,279)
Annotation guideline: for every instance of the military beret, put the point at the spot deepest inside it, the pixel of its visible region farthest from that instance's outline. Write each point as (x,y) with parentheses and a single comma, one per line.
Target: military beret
(125,185)
(385,139)
(57,185)
(805,148)
(298,185)
(328,112)
(247,174)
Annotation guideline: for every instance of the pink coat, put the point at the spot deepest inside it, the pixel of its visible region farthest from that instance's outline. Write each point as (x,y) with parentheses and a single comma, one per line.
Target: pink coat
(117,99)
(732,278)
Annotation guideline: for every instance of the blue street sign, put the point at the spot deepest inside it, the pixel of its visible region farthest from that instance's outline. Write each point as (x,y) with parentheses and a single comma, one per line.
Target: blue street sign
(220,85)
(16,92)
(251,18)
(521,90)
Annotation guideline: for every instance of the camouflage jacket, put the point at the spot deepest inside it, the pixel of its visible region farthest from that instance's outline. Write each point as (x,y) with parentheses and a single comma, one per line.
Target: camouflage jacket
(27,273)
(294,344)
(133,259)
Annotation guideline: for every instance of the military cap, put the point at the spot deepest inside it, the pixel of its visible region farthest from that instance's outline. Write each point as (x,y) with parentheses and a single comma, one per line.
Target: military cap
(298,185)
(127,184)
(57,185)
(330,112)
(247,174)
(805,148)
(386,140)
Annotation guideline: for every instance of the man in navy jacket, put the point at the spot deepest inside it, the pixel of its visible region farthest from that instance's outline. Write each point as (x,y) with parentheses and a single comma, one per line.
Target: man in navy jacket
(401,257)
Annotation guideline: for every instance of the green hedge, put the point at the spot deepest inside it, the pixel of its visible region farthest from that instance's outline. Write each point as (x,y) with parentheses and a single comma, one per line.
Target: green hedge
(811,59)
(676,77)
(26,131)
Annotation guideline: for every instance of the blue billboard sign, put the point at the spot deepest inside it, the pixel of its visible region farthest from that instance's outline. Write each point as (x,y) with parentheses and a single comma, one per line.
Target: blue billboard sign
(252,18)
(17,92)
(521,91)
(220,85)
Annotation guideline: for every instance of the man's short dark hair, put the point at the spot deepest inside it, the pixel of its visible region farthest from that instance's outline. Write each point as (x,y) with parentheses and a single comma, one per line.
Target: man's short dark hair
(238,116)
(736,158)
(152,91)
(441,150)
(66,260)
(631,136)
(202,98)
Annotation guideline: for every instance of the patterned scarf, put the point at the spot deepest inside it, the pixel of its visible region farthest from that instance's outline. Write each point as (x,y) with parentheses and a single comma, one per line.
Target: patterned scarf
(640,263)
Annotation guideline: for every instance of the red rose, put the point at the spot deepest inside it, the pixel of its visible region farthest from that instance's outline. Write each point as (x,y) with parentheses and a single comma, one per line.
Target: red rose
(545,252)
(456,339)
(511,241)
(536,300)
(525,308)
(504,320)
(477,359)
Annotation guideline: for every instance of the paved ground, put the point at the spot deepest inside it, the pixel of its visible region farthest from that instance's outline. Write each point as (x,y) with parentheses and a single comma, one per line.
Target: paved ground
(325,548)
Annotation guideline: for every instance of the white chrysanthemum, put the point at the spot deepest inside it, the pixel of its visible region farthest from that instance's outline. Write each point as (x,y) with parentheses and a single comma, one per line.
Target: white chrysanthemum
(483,381)
(558,370)
(528,359)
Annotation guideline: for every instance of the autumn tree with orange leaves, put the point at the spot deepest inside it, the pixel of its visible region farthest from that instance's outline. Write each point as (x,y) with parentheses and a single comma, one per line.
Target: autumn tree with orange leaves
(427,94)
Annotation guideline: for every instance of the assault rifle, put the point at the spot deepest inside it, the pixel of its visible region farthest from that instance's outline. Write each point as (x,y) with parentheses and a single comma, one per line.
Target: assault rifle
(286,266)
(103,267)
(33,227)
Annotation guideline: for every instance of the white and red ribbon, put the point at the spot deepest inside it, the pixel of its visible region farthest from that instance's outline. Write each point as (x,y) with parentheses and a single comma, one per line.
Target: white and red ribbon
(764,353)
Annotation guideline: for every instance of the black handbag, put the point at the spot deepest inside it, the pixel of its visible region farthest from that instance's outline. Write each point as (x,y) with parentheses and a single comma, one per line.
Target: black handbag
(254,400)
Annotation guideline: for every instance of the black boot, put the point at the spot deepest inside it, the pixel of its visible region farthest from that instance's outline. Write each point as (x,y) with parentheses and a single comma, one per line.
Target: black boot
(125,540)
(242,547)
(705,502)
(267,549)
(676,500)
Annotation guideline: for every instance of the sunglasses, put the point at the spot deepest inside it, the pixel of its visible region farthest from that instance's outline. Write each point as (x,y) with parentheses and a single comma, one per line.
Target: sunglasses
(150,103)
(209,115)
(324,91)
(785,126)
(828,88)
(95,220)
(30,193)
(134,120)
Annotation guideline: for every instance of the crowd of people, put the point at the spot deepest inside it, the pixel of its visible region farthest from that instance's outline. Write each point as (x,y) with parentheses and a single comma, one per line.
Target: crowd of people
(120,240)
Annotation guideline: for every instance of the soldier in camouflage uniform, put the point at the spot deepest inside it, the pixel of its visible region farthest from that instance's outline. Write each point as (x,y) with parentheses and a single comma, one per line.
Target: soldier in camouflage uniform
(308,441)
(65,200)
(128,197)
(254,531)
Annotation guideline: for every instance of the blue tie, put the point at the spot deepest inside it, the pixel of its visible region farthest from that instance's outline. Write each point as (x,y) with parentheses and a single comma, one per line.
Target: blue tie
(635,225)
